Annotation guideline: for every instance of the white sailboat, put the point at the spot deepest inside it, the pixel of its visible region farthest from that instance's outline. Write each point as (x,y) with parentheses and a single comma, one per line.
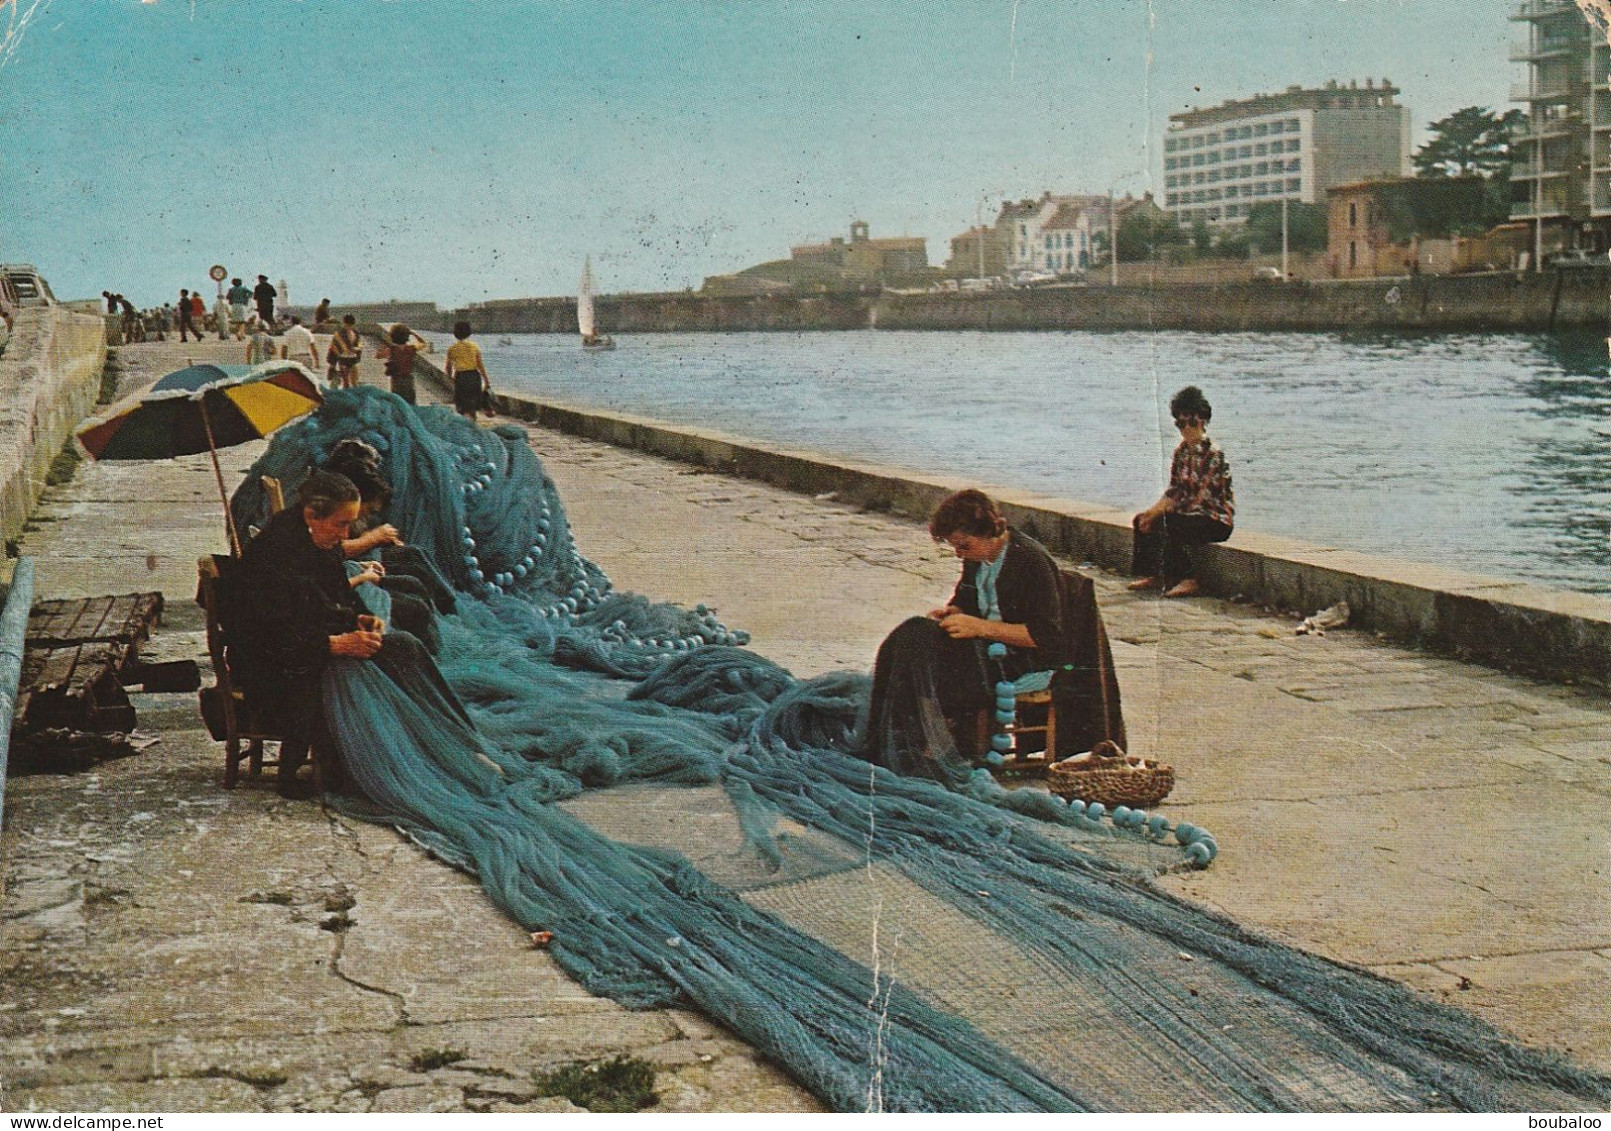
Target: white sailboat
(586,321)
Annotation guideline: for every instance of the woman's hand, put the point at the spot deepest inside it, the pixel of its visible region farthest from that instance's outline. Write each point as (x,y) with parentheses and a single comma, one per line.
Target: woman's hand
(356,645)
(941,614)
(960,626)
(370,574)
(384,535)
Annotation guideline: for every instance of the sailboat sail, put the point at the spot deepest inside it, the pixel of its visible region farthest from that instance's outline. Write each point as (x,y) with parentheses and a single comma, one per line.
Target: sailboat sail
(584,302)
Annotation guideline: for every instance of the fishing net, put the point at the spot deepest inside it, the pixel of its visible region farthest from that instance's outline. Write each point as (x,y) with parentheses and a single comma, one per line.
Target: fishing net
(692,825)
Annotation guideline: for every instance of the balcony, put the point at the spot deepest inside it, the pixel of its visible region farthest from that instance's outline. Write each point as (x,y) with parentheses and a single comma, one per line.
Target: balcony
(1542,9)
(1550,128)
(1550,174)
(1551,48)
(1556,90)
(1523,210)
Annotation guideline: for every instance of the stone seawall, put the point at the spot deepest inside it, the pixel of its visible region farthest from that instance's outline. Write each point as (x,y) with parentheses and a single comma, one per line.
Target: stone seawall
(49,378)
(1490,302)
(1504,301)
(1505,624)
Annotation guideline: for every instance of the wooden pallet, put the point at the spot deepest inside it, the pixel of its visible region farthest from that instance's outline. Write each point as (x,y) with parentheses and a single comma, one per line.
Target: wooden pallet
(76,688)
(126,619)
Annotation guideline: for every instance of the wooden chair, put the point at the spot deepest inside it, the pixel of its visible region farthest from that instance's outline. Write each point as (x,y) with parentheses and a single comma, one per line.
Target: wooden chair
(1082,704)
(1019,760)
(273,492)
(223,706)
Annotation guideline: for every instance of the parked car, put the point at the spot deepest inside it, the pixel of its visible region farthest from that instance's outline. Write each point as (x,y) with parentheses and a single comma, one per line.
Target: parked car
(1578,257)
(1032,278)
(1267,275)
(30,286)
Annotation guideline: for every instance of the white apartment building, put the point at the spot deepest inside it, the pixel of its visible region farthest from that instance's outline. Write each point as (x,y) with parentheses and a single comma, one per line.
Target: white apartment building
(1220,162)
(1561,172)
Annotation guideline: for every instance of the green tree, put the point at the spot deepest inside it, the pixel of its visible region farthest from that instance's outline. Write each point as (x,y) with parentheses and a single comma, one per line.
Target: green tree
(1472,140)
(1306,226)
(1202,237)
(1143,233)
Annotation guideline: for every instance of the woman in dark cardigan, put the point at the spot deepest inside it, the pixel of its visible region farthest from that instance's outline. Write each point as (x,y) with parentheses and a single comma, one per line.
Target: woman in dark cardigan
(933,673)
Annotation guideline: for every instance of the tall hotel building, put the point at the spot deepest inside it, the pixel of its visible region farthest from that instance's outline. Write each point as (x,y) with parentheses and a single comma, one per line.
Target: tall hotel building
(1220,162)
(1561,168)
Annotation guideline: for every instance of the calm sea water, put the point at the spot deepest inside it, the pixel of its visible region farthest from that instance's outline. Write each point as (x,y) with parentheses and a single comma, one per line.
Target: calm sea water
(1487,453)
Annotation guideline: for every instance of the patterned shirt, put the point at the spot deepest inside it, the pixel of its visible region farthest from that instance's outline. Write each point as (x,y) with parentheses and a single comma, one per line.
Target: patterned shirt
(1200,482)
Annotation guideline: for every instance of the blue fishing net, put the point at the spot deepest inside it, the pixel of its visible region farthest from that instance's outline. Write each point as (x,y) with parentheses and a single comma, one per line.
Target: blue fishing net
(568,685)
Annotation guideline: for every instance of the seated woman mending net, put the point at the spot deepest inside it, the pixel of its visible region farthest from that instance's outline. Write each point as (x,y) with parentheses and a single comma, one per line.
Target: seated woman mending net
(1009,621)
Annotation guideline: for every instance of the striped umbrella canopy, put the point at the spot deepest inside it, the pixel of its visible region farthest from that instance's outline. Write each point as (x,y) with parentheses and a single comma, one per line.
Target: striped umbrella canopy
(202,408)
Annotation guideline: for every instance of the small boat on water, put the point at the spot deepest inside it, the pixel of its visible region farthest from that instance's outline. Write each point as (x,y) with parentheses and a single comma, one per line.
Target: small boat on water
(506,341)
(586,321)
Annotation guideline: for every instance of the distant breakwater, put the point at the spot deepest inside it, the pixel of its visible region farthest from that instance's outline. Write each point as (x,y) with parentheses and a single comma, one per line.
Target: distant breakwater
(1501,301)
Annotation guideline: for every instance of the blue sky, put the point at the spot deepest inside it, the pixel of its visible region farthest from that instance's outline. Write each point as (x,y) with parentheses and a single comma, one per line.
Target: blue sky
(458,150)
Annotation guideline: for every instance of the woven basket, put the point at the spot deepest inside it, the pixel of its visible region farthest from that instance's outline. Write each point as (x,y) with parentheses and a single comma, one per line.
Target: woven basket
(1107,778)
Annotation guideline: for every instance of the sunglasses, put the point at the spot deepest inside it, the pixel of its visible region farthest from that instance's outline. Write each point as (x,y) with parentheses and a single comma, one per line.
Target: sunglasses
(1186,421)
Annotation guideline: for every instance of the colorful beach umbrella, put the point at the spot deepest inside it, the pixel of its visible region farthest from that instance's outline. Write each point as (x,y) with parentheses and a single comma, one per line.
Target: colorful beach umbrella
(202,408)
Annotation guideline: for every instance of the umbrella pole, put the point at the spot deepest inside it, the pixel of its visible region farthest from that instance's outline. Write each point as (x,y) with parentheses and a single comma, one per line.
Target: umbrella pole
(218,473)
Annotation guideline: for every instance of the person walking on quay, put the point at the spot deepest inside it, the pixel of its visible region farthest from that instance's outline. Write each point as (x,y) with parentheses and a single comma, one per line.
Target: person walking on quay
(1198,506)
(297,343)
(321,314)
(399,357)
(264,294)
(260,347)
(129,317)
(187,317)
(467,373)
(344,354)
(238,297)
(111,301)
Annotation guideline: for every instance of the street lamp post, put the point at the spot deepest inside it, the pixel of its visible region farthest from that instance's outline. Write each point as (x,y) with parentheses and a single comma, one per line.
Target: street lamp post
(1113,226)
(979,231)
(1113,243)
(1284,241)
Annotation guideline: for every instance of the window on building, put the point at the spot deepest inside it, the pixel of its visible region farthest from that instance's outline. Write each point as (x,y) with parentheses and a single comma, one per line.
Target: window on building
(1048,243)
(1196,159)
(1262,168)
(1353,252)
(1295,166)
(1247,151)
(1170,200)
(1261,130)
(1213,213)
(1260,150)
(1213,158)
(1294,184)
(1292,125)
(1293,145)
(1213,139)
(1169,145)
(1213,176)
(1197,178)
(1169,162)
(1353,218)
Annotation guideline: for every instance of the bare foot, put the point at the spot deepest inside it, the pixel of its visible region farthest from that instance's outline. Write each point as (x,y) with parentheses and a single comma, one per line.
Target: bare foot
(1187,588)
(1141,584)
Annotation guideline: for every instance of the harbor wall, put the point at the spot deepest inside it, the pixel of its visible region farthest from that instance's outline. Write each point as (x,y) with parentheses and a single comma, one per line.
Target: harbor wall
(1505,624)
(1497,301)
(50,375)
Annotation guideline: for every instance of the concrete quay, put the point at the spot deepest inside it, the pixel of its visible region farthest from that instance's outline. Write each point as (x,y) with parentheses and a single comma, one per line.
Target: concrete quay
(165,945)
